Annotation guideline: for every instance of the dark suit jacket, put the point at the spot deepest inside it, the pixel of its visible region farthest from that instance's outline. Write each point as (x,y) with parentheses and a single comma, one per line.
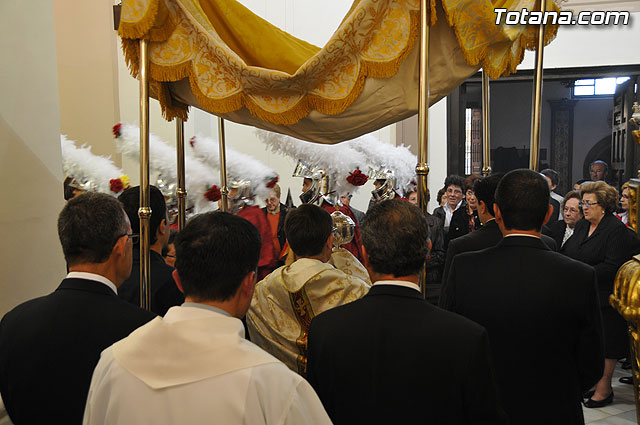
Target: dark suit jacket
(556,231)
(540,309)
(282,237)
(49,347)
(609,247)
(393,358)
(459,225)
(485,237)
(556,212)
(164,291)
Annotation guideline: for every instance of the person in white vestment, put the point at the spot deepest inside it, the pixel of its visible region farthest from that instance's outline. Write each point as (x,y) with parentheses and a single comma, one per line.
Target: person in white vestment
(194,366)
(288,298)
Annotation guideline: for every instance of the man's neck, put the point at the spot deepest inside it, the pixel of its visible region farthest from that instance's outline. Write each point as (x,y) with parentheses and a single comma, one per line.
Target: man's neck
(320,257)
(156,247)
(485,218)
(103,269)
(507,232)
(375,277)
(229,306)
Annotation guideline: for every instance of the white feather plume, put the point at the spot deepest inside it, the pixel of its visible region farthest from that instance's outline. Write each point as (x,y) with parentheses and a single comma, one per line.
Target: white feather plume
(240,166)
(162,159)
(385,156)
(337,160)
(83,165)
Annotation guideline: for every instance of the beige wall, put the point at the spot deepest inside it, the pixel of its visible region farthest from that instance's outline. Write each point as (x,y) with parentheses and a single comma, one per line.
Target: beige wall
(86,46)
(31,262)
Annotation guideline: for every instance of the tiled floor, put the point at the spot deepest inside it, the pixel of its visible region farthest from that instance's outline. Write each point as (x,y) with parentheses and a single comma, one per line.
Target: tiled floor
(623,409)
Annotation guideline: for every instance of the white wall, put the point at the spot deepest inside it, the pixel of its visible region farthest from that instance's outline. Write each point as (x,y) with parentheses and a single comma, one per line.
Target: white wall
(30,162)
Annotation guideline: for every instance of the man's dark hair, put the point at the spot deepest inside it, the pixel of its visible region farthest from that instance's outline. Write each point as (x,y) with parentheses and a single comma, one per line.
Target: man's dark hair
(307,228)
(552,174)
(454,180)
(130,199)
(485,190)
(214,252)
(395,234)
(89,226)
(523,198)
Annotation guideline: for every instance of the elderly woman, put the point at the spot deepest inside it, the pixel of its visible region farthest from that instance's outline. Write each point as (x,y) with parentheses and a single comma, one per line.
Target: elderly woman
(602,241)
(624,204)
(561,230)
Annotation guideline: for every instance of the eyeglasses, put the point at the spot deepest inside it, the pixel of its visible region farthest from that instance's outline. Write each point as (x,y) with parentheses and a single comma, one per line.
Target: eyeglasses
(135,237)
(587,204)
(572,210)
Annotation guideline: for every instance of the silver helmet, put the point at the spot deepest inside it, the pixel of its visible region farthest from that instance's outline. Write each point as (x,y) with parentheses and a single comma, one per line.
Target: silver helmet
(387,189)
(318,186)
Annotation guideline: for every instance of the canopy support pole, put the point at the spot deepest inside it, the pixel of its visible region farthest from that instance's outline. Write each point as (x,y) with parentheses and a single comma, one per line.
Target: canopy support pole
(144,212)
(486,129)
(422,168)
(181,191)
(224,191)
(534,152)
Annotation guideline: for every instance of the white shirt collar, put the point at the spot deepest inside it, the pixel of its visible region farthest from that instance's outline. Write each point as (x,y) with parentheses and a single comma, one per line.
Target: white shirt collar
(523,234)
(93,276)
(398,283)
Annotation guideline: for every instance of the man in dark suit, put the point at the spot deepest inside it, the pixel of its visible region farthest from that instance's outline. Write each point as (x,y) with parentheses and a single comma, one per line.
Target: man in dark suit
(392,357)
(49,346)
(539,307)
(489,234)
(164,292)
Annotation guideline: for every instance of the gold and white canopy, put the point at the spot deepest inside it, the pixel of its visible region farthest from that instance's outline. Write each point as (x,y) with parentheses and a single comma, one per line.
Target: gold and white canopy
(218,56)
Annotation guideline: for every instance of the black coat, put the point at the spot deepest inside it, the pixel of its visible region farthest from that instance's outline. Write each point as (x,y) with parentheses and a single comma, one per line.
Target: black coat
(541,312)
(164,291)
(485,237)
(608,248)
(49,347)
(459,225)
(393,358)
(435,260)
(556,231)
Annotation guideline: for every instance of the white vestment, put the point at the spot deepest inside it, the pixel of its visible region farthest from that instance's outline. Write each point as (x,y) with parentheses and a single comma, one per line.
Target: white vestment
(194,367)
(286,300)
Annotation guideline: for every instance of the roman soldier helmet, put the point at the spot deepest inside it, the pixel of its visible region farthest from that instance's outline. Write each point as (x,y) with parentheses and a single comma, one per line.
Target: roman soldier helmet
(333,169)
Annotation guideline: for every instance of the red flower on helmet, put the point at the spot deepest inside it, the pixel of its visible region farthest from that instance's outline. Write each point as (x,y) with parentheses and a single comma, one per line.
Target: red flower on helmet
(213,194)
(357,178)
(116,130)
(192,141)
(116,185)
(273,182)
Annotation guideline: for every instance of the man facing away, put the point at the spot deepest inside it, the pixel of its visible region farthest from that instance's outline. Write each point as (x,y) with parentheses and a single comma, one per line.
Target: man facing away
(287,299)
(194,366)
(164,292)
(539,307)
(392,357)
(49,346)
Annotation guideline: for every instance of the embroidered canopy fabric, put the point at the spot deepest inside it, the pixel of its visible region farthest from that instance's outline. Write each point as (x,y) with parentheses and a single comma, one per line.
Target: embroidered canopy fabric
(218,56)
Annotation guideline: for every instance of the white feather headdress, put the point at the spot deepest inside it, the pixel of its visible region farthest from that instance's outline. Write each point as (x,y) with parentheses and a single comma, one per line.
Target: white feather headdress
(340,161)
(383,156)
(92,171)
(240,166)
(199,178)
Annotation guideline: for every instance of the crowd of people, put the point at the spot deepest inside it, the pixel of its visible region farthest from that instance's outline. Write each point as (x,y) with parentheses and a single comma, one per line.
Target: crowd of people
(259,317)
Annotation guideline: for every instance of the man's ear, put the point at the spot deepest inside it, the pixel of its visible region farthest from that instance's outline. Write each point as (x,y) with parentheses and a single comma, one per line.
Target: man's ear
(498,214)
(162,228)
(550,211)
(482,207)
(248,284)
(329,244)
(365,258)
(121,246)
(176,278)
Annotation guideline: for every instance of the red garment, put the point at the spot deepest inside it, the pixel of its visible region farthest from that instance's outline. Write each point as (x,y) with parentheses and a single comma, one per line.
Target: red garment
(268,261)
(354,246)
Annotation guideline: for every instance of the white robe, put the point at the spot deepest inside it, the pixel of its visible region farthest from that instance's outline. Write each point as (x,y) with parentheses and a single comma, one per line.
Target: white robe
(194,367)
